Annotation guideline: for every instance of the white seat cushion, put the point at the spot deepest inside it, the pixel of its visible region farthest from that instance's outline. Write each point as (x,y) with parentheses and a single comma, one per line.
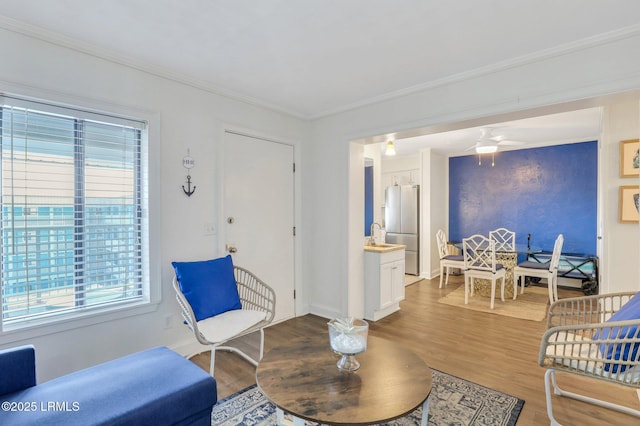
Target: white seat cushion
(228,324)
(581,353)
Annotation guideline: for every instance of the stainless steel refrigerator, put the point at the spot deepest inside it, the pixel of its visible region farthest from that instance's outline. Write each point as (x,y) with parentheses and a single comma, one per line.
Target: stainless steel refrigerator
(402,222)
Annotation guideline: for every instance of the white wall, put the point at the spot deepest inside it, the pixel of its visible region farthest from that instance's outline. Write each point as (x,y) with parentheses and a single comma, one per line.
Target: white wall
(437,169)
(186,118)
(404,170)
(579,78)
(620,241)
(355,291)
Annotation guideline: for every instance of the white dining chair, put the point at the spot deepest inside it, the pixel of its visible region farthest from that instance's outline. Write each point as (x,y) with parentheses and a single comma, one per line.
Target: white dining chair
(505,240)
(447,261)
(548,270)
(480,262)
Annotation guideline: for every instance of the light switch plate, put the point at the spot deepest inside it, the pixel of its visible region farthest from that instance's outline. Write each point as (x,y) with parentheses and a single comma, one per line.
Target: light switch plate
(209,229)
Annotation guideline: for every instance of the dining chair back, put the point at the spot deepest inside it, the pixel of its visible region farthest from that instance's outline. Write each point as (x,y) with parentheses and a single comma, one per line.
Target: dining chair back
(505,240)
(479,255)
(447,261)
(548,270)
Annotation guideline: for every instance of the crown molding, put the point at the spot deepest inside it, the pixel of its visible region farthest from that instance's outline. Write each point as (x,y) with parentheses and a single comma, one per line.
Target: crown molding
(105,54)
(108,55)
(563,49)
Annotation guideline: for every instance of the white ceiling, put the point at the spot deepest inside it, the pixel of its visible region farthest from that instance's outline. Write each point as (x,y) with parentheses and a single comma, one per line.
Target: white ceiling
(567,127)
(316,57)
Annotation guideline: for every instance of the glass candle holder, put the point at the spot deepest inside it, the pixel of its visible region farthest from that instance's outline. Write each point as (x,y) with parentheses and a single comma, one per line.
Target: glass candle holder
(348,338)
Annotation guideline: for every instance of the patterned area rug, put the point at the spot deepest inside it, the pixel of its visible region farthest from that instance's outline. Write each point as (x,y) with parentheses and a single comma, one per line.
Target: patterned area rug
(454,401)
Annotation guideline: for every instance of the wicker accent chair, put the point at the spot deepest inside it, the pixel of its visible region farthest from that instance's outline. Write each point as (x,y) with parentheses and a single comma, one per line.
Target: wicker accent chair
(258,309)
(595,337)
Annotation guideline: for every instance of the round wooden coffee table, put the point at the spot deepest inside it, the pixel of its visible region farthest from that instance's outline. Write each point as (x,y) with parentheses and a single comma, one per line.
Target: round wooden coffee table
(302,379)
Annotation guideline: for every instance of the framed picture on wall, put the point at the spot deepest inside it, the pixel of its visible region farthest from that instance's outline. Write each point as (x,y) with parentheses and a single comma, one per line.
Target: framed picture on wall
(629,203)
(630,158)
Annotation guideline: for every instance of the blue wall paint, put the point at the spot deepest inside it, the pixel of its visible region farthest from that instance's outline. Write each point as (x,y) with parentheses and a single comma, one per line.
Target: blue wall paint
(540,191)
(368,200)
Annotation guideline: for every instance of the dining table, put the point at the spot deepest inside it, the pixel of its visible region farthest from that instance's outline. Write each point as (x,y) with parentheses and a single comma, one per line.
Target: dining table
(508,258)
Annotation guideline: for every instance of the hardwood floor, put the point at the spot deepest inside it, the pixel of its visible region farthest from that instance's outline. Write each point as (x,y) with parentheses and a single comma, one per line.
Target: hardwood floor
(492,350)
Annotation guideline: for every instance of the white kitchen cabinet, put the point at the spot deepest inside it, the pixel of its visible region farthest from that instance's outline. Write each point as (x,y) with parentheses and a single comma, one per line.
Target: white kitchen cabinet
(384,282)
(400,177)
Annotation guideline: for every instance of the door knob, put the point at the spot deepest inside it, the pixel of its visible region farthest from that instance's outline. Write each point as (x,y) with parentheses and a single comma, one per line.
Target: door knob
(230,248)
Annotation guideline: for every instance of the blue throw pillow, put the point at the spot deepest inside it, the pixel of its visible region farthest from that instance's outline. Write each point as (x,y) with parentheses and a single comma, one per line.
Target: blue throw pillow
(209,286)
(618,351)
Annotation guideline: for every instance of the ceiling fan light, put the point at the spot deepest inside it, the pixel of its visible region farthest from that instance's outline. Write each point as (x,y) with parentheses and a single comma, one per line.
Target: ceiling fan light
(391,149)
(486,149)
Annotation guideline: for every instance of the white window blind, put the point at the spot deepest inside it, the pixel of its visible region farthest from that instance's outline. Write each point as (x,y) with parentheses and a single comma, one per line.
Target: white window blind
(72,222)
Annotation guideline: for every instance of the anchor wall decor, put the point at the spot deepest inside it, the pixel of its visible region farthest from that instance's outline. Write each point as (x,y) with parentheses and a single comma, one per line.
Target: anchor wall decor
(188,163)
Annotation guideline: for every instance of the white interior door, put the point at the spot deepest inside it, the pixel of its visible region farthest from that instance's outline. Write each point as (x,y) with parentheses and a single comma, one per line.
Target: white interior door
(259,213)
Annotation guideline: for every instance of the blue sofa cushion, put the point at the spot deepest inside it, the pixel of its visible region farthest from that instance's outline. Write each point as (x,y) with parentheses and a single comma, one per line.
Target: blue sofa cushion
(618,351)
(152,387)
(209,286)
(17,369)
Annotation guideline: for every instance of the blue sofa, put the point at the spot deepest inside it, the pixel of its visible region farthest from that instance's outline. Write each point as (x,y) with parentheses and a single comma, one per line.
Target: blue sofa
(152,387)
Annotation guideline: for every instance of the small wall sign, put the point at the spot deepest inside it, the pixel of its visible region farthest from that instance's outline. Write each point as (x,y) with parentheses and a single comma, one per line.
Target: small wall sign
(188,163)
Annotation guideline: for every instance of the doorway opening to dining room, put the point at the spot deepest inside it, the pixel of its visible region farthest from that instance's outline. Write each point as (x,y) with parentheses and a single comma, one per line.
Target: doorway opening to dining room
(532,156)
(617,119)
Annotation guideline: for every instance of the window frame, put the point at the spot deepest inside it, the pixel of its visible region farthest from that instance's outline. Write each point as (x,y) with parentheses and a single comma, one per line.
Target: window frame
(150,183)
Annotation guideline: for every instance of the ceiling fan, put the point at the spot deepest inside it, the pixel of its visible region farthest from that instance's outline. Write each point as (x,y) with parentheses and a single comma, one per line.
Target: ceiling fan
(488,143)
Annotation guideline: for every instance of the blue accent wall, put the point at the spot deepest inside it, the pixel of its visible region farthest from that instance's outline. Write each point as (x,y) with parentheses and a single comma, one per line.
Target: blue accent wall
(368,199)
(539,191)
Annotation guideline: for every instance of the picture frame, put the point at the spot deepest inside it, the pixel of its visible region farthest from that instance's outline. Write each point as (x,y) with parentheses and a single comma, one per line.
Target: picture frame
(629,203)
(630,158)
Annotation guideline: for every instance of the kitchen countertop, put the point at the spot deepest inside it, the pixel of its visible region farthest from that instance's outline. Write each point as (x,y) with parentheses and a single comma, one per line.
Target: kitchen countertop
(383,248)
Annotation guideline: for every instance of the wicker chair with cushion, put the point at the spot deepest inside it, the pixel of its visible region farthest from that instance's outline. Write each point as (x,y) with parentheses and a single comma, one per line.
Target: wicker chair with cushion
(596,337)
(221,302)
